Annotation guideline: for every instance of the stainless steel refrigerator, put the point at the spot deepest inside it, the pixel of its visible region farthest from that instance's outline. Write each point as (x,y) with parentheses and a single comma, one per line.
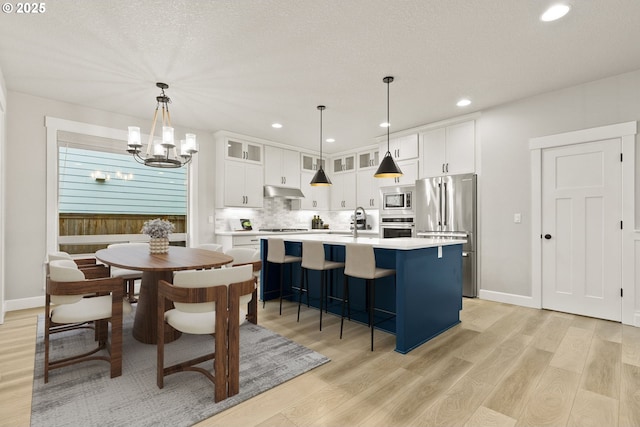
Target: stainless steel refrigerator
(446,208)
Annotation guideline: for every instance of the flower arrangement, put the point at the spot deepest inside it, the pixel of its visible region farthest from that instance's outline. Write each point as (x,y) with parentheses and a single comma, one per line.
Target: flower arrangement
(158,228)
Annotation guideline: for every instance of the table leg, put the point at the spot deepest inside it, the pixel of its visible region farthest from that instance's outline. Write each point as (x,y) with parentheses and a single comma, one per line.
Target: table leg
(145,325)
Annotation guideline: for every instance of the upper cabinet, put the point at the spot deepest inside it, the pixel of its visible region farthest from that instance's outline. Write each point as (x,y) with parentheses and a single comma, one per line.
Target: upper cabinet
(401,148)
(343,191)
(315,197)
(449,150)
(368,159)
(243,151)
(281,167)
(346,163)
(309,162)
(409,170)
(239,169)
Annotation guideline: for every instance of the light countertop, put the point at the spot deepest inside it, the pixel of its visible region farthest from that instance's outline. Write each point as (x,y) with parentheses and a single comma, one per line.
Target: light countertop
(403,243)
(317,231)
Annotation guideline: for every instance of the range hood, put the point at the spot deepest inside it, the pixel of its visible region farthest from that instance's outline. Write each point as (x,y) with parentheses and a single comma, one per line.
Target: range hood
(287,193)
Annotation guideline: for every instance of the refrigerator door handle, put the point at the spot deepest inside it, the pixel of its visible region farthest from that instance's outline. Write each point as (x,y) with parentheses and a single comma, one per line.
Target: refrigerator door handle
(439,204)
(446,204)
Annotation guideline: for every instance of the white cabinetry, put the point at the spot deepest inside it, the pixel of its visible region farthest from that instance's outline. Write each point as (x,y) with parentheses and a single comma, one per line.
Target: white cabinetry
(343,191)
(245,241)
(409,170)
(346,163)
(243,150)
(316,198)
(401,148)
(449,150)
(239,171)
(368,159)
(281,167)
(243,185)
(368,189)
(309,162)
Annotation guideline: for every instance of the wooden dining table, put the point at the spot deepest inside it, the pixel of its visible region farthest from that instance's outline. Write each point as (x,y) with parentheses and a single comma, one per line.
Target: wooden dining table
(156,267)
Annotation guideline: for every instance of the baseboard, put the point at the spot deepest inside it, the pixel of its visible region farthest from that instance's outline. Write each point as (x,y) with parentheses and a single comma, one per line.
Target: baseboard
(636,319)
(508,298)
(24,303)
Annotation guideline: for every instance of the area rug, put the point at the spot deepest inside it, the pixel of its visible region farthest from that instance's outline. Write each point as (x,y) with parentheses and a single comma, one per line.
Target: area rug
(85,395)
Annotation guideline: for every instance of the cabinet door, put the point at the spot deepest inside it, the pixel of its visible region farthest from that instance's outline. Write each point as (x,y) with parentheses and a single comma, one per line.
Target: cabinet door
(245,151)
(409,170)
(291,168)
(273,166)
(368,159)
(368,190)
(433,153)
(460,148)
(308,202)
(402,148)
(349,187)
(234,179)
(253,186)
(344,163)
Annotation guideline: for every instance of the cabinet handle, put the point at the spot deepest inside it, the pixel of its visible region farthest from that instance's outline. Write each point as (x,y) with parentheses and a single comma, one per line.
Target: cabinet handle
(443,168)
(447,167)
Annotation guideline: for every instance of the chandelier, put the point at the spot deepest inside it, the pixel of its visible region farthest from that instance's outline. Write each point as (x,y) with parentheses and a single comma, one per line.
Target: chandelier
(161,152)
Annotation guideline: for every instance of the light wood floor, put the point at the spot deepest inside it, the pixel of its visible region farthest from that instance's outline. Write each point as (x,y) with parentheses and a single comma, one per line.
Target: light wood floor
(502,366)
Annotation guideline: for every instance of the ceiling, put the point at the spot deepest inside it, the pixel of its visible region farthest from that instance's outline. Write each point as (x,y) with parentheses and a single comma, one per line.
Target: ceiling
(241,65)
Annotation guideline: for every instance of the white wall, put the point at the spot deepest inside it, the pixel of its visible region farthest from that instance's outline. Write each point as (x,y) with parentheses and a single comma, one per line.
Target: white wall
(25,196)
(504,184)
(3,105)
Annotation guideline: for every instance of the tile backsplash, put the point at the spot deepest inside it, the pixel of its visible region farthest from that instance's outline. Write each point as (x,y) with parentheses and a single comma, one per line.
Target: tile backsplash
(277,213)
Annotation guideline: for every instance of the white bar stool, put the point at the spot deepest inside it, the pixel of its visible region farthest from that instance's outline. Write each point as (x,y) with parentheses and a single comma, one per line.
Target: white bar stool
(313,259)
(360,262)
(276,255)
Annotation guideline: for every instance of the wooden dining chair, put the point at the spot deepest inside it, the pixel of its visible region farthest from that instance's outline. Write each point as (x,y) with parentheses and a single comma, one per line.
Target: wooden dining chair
(129,276)
(201,305)
(72,301)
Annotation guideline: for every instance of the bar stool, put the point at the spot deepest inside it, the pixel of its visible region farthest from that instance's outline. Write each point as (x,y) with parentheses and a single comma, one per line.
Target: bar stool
(313,259)
(276,255)
(360,262)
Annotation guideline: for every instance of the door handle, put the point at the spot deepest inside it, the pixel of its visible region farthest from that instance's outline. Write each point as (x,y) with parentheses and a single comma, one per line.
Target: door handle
(446,205)
(547,236)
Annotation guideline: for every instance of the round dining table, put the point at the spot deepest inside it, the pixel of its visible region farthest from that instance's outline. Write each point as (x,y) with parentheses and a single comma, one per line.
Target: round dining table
(156,267)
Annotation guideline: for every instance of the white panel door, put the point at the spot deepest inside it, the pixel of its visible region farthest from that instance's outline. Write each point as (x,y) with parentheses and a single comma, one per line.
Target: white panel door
(581,233)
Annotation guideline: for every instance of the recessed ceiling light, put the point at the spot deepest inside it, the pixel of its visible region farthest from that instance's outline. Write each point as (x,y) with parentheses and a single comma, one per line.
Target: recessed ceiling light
(276,125)
(385,125)
(463,102)
(556,11)
(330,140)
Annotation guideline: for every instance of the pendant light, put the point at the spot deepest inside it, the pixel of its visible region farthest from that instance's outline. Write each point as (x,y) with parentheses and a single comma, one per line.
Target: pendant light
(320,178)
(388,167)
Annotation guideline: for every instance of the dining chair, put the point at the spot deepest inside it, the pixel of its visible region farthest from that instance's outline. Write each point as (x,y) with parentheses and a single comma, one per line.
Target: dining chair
(89,266)
(211,247)
(201,301)
(129,276)
(72,301)
(248,256)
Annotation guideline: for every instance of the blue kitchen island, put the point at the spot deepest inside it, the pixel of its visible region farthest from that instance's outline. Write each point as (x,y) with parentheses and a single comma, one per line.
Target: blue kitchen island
(426,298)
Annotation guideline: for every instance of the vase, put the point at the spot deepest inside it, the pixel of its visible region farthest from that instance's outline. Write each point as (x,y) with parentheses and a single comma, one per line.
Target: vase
(159,245)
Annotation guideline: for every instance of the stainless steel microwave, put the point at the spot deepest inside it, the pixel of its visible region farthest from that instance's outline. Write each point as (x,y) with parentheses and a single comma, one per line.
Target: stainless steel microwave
(397,199)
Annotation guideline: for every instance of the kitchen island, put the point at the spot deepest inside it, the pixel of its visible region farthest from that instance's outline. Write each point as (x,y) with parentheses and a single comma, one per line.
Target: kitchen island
(426,298)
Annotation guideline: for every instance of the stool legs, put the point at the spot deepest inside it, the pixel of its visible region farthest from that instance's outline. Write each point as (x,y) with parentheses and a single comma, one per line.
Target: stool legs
(371,284)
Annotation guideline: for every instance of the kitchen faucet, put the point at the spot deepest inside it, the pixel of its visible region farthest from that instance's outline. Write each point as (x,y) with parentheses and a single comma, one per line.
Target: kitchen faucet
(355,220)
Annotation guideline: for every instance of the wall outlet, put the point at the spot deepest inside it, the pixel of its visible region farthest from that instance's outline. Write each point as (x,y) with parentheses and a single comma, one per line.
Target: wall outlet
(517,218)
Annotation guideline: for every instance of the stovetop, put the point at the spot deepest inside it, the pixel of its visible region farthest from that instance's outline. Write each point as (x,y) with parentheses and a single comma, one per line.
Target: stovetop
(282,230)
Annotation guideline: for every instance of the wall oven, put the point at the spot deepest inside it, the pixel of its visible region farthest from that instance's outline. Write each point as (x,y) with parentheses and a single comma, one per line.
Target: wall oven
(397,226)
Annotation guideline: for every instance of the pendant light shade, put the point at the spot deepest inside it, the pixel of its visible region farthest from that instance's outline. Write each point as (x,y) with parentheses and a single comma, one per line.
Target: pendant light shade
(388,167)
(320,178)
